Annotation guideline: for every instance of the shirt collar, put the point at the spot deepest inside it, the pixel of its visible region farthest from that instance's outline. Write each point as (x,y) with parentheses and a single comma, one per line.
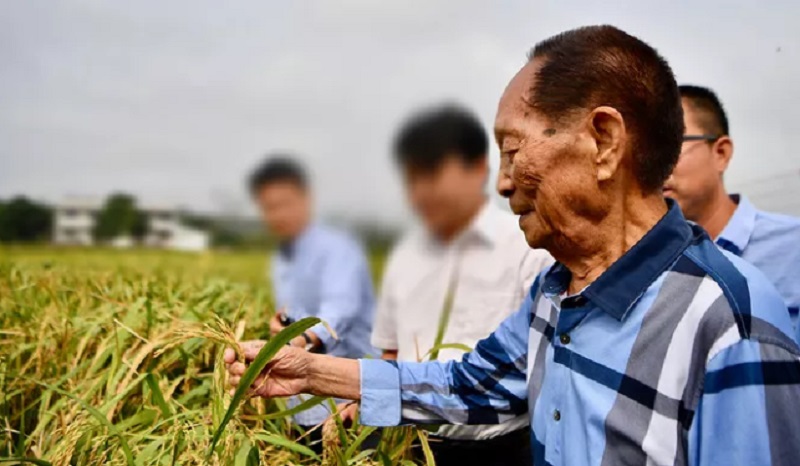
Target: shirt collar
(619,288)
(483,226)
(740,227)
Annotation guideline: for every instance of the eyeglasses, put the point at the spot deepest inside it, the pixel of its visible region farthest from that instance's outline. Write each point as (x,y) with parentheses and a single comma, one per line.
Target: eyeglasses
(700,137)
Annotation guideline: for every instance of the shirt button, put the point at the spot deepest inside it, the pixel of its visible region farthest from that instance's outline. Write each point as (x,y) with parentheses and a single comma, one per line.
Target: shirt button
(565,339)
(557,415)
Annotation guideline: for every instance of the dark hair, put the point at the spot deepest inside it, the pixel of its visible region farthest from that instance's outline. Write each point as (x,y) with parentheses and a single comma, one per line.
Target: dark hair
(277,168)
(602,65)
(427,138)
(711,115)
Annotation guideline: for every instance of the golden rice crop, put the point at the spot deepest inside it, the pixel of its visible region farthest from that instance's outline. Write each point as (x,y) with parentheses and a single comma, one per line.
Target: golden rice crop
(114,358)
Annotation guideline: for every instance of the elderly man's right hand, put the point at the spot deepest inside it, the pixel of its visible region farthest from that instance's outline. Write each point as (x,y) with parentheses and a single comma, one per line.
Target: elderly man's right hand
(294,370)
(285,375)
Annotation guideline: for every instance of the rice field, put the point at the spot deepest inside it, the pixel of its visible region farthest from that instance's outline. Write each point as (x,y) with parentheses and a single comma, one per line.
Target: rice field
(114,358)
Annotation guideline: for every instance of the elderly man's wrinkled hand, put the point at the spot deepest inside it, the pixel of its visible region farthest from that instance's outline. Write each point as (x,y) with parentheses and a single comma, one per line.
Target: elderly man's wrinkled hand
(285,375)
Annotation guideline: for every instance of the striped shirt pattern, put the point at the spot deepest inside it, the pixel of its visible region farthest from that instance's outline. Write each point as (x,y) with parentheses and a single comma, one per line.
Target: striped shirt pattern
(679,354)
(769,241)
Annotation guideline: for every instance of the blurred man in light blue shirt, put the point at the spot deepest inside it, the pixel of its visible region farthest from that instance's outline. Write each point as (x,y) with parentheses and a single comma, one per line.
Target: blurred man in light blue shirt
(318,271)
(769,241)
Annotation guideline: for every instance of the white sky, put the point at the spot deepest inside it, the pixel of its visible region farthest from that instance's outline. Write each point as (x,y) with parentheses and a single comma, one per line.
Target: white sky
(175,101)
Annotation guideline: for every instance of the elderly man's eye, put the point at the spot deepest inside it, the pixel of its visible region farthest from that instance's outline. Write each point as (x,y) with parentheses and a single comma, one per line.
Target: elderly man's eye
(509,153)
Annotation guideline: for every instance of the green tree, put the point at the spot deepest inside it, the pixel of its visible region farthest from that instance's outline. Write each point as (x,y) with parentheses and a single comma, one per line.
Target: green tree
(119,216)
(23,220)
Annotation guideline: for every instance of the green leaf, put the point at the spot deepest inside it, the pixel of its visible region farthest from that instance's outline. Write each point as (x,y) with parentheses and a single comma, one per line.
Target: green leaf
(26,460)
(158,395)
(339,425)
(365,432)
(307,404)
(456,346)
(426,448)
(288,444)
(444,318)
(145,417)
(245,456)
(97,415)
(259,363)
(177,448)
(361,456)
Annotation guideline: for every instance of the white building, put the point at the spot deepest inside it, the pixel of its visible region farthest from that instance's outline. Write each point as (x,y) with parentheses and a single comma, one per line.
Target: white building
(74,222)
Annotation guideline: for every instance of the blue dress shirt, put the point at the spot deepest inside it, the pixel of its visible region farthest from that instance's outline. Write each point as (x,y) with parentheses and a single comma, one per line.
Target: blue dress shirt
(769,241)
(324,273)
(679,354)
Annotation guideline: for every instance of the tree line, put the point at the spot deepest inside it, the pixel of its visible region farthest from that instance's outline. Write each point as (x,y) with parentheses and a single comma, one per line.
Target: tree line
(23,220)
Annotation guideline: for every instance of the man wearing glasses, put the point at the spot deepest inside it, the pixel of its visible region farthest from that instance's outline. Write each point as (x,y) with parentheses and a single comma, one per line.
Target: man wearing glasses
(769,241)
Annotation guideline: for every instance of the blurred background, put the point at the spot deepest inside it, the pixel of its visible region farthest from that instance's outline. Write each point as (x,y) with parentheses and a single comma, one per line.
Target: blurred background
(137,122)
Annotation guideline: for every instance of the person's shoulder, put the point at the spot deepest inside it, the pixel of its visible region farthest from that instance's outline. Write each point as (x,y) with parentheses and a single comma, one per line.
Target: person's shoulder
(750,302)
(775,227)
(336,238)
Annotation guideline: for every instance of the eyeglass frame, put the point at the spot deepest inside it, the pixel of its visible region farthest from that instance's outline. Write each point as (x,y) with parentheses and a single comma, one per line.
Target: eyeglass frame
(701,137)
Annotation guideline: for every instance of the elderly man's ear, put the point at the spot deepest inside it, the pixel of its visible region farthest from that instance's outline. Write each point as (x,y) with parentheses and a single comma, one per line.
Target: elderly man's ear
(607,128)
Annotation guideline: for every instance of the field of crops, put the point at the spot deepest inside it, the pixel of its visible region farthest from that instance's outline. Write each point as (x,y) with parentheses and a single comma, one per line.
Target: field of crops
(114,358)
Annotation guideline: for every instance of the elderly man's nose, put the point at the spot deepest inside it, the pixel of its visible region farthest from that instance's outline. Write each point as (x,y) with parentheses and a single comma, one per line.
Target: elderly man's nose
(505,187)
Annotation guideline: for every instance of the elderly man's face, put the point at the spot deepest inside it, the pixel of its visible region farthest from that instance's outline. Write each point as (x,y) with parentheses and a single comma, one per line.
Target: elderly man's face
(546,171)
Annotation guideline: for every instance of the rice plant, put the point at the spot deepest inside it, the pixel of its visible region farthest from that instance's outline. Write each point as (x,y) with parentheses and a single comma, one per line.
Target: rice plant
(115,358)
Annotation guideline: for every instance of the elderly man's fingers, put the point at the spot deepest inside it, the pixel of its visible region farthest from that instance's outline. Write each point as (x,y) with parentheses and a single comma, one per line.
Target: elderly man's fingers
(233,381)
(237,368)
(251,348)
(230,356)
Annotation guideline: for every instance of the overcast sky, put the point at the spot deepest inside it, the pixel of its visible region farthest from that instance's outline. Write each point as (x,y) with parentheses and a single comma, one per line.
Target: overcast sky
(175,101)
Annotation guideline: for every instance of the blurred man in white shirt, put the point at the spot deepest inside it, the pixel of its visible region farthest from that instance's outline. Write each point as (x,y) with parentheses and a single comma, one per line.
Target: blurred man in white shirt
(469,258)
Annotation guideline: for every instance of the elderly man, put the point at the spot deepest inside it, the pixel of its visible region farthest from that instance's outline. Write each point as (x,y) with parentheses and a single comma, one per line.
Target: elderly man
(644,343)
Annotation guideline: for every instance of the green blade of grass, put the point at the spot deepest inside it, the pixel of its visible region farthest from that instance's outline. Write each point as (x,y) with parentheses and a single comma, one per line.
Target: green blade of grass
(426,448)
(26,460)
(97,415)
(362,436)
(158,396)
(288,444)
(444,318)
(244,455)
(456,346)
(259,363)
(307,404)
(339,424)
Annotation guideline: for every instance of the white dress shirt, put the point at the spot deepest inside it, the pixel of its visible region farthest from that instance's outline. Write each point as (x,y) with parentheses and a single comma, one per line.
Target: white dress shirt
(489,269)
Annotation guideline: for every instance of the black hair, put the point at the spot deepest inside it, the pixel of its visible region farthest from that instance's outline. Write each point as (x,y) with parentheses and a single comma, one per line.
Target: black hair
(711,114)
(430,136)
(277,168)
(601,65)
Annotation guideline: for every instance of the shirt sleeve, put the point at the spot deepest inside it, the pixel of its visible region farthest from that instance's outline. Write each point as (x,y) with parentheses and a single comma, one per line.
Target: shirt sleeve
(384,331)
(341,293)
(486,387)
(748,413)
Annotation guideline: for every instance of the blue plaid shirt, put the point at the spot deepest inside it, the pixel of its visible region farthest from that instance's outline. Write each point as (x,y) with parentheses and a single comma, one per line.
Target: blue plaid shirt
(769,241)
(679,354)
